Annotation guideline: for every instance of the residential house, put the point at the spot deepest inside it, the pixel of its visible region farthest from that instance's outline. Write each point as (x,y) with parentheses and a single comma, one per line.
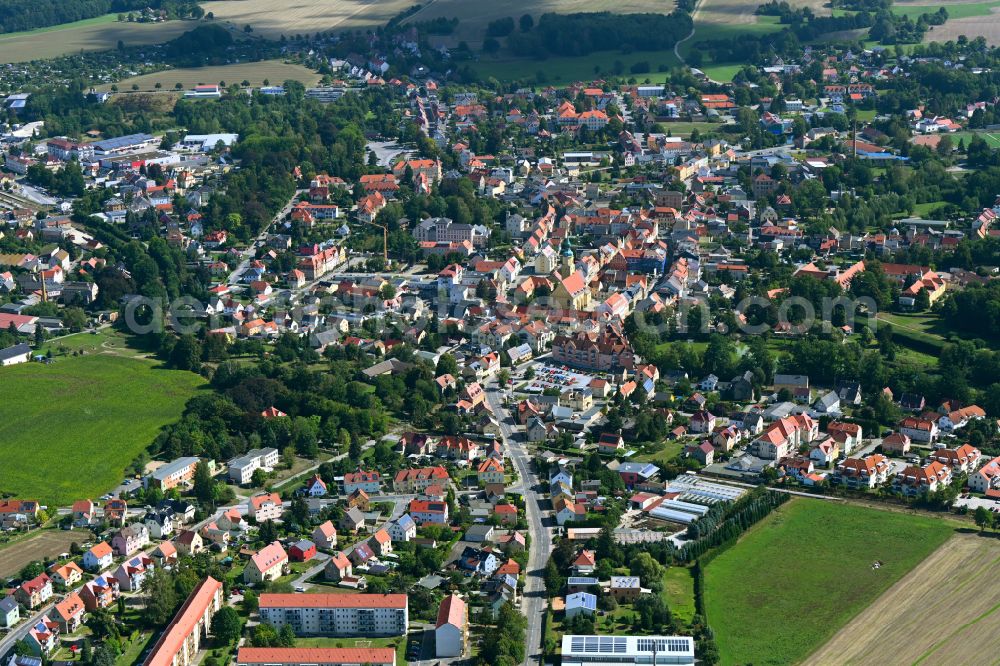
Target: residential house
(409,481)
(302,551)
(478,561)
(490,470)
(266,506)
(610,443)
(315,487)
(266,565)
(352,520)
(867,472)
(99,593)
(403,528)
(35,592)
(10,612)
(99,557)
(131,573)
(338,567)
(428,511)
(164,555)
(69,613)
(580,603)
(897,443)
(130,539)
(704,452)
(190,542)
(964,458)
(380,543)
(914,480)
(325,536)
(368,481)
(919,429)
(451,631)
(567,510)
(66,576)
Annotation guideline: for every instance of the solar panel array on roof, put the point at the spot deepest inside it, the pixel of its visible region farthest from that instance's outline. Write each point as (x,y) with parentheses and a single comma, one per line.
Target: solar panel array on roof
(121,142)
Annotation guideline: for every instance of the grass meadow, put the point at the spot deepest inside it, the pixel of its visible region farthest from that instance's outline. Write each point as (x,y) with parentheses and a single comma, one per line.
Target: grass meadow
(802,573)
(71,428)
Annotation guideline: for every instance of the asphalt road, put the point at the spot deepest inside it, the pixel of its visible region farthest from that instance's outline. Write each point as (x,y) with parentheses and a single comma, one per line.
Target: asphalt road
(533,600)
(248,254)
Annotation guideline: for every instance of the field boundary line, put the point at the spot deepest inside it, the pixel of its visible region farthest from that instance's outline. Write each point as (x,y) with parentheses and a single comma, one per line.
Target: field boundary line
(934,648)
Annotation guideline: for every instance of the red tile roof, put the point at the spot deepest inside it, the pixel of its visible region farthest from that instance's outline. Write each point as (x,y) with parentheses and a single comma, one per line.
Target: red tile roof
(451,611)
(187,618)
(250,655)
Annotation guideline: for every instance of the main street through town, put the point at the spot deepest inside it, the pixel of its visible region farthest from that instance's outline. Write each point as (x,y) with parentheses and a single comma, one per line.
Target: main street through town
(533,599)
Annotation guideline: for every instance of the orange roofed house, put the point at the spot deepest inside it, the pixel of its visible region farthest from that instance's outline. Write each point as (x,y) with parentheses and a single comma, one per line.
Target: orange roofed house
(914,480)
(267,564)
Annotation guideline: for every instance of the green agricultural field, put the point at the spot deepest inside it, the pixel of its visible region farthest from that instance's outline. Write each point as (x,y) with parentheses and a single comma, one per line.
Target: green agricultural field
(956,10)
(71,428)
(802,573)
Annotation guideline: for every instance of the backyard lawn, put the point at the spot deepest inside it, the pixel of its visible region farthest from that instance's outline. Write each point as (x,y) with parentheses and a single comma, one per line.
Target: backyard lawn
(72,427)
(799,575)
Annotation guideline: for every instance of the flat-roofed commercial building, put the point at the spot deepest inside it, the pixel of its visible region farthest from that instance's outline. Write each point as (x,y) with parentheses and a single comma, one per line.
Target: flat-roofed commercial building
(624,650)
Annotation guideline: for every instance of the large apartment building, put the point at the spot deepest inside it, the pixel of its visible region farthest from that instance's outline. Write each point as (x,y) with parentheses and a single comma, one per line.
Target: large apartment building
(179,644)
(241,469)
(337,614)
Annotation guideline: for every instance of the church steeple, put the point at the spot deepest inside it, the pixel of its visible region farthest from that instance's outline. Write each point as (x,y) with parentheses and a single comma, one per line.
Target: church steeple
(567,264)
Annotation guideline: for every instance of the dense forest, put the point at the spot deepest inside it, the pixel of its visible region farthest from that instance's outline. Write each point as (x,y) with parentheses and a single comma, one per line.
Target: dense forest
(580,34)
(17,15)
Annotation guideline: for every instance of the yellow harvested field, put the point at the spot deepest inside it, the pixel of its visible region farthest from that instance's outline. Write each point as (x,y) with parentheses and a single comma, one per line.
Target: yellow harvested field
(987,27)
(474,16)
(943,612)
(101,37)
(271,19)
(274,71)
(45,543)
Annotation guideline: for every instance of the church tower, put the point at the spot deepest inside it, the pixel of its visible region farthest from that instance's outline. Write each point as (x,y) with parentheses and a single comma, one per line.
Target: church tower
(567,265)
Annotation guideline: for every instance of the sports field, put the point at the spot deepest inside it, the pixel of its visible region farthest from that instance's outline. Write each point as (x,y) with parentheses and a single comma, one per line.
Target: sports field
(945,611)
(71,428)
(96,34)
(271,19)
(274,71)
(799,575)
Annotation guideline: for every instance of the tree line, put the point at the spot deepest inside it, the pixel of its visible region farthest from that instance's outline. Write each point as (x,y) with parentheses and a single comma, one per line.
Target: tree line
(18,15)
